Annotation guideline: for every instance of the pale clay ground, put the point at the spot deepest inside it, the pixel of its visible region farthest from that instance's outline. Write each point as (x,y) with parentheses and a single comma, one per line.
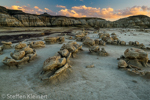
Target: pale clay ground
(104,82)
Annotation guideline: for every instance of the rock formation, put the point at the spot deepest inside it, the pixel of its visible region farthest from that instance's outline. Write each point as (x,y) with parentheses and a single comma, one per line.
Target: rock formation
(37,44)
(103,52)
(135,60)
(6,45)
(57,67)
(20,45)
(72,47)
(52,40)
(20,56)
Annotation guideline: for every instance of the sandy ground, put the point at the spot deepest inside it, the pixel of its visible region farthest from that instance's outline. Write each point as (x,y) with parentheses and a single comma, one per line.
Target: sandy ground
(104,82)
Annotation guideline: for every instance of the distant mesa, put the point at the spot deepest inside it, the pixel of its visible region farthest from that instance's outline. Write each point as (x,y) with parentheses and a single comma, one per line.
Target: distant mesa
(45,14)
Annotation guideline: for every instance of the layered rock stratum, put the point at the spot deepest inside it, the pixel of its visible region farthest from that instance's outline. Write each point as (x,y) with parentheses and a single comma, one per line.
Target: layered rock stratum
(18,18)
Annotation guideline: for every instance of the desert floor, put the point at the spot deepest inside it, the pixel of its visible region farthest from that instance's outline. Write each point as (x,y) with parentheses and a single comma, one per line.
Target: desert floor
(103,82)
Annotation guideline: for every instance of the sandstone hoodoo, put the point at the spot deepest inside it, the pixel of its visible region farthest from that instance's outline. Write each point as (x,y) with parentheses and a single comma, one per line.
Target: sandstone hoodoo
(57,67)
(72,47)
(135,60)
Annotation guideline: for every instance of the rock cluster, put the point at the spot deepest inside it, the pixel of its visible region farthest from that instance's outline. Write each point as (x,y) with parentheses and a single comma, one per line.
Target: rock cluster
(72,47)
(134,60)
(20,56)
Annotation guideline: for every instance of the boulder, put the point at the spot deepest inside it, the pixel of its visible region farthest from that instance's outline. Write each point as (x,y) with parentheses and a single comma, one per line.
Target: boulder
(122,64)
(94,49)
(89,42)
(122,43)
(103,52)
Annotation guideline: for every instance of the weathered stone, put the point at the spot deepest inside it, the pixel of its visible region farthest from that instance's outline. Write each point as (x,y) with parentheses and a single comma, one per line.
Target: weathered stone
(94,49)
(101,42)
(20,46)
(122,64)
(103,52)
(6,45)
(137,57)
(64,53)
(37,44)
(89,42)
(122,43)
(18,55)
(50,40)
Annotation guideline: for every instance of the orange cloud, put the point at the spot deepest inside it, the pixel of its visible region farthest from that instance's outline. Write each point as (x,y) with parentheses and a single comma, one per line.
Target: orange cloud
(35,10)
(83,11)
(107,13)
(60,6)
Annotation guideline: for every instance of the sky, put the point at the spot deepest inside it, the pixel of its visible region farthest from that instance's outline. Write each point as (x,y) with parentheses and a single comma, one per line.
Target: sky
(107,9)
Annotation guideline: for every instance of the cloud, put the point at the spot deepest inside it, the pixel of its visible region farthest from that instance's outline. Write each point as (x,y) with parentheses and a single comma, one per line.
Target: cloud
(35,10)
(107,13)
(84,11)
(81,0)
(60,6)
